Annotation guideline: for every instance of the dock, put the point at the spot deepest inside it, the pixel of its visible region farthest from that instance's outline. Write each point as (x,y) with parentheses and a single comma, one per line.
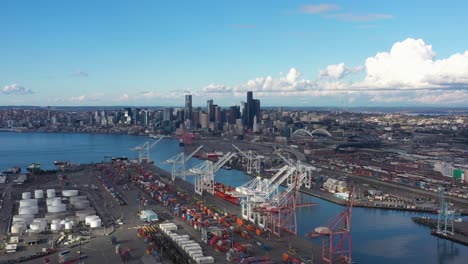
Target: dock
(460,230)
(292,245)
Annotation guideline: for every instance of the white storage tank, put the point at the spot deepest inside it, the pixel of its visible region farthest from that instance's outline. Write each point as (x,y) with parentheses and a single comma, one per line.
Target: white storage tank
(38,194)
(57,208)
(28,202)
(26,195)
(37,227)
(17,229)
(95,223)
(28,210)
(50,201)
(56,221)
(55,227)
(68,225)
(69,193)
(50,193)
(81,204)
(56,202)
(89,218)
(27,218)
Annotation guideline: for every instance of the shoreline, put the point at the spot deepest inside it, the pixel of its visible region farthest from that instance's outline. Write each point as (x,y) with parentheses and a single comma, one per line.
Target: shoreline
(315,193)
(460,230)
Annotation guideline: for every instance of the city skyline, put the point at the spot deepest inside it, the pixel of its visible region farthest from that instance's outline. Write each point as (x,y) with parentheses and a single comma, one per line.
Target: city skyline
(299,53)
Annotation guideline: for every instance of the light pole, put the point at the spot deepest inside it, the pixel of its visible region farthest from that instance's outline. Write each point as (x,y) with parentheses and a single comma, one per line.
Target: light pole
(232,236)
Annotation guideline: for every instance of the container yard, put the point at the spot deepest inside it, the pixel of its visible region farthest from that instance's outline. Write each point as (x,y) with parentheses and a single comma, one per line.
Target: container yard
(128,200)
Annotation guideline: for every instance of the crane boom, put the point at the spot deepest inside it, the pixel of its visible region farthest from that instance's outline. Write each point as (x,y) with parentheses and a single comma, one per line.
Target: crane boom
(193,153)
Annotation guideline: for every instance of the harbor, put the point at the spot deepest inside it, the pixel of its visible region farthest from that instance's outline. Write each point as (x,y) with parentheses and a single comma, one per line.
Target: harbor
(398,222)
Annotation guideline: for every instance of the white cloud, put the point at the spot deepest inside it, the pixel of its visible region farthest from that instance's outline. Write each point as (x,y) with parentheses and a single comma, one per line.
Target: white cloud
(411,64)
(360,18)
(86,98)
(15,89)
(79,74)
(338,71)
(319,9)
(447,97)
(124,97)
(326,10)
(408,73)
(335,71)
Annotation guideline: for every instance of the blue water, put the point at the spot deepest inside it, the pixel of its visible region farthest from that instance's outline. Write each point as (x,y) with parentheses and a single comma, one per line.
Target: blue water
(379,236)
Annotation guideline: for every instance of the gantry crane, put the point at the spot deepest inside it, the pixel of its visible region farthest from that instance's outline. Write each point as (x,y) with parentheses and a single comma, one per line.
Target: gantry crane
(144,149)
(178,163)
(253,161)
(336,236)
(204,173)
(300,168)
(278,212)
(253,191)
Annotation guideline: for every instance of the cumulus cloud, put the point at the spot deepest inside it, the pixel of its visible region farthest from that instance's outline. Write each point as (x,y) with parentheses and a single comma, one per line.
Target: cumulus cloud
(338,71)
(319,9)
(411,64)
(16,89)
(408,73)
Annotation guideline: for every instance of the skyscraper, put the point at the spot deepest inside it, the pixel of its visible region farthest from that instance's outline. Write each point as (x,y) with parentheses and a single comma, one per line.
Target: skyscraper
(168,114)
(253,109)
(188,107)
(210,110)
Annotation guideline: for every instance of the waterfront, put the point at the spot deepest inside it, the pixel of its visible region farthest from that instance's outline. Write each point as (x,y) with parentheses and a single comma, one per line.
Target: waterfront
(383,236)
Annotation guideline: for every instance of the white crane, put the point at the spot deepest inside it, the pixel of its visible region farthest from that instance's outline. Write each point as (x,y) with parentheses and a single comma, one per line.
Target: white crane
(178,163)
(253,161)
(144,149)
(204,173)
(300,168)
(258,190)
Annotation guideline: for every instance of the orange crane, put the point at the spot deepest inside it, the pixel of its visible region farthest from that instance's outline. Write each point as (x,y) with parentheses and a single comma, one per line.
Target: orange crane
(336,236)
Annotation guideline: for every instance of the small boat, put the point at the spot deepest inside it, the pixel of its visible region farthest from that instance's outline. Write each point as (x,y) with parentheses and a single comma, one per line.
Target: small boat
(34,166)
(13,170)
(61,163)
(181,143)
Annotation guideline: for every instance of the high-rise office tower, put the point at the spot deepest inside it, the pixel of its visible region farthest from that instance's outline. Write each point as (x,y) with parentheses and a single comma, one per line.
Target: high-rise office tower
(234,114)
(188,107)
(250,109)
(257,109)
(210,110)
(217,112)
(168,114)
(244,113)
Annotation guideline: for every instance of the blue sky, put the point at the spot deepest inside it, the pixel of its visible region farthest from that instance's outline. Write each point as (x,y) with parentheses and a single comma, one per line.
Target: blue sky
(303,53)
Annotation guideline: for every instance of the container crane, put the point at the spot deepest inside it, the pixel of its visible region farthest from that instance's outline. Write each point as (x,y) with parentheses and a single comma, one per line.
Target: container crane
(257,191)
(204,173)
(144,149)
(178,163)
(301,167)
(253,161)
(336,236)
